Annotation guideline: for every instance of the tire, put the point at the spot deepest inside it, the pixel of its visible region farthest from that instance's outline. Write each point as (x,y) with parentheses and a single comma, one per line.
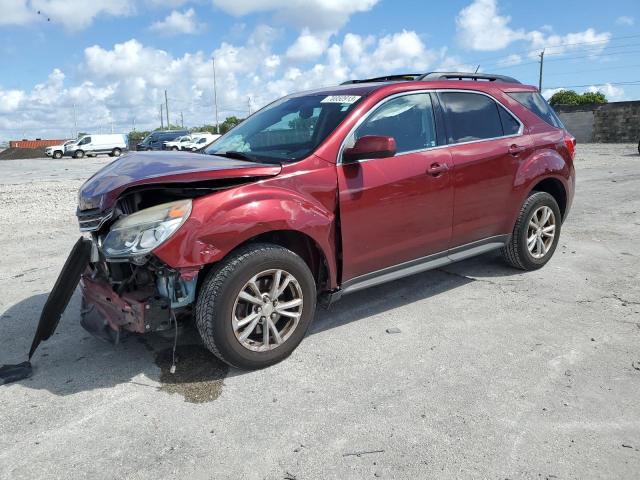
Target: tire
(175,149)
(517,252)
(219,303)
(57,154)
(78,154)
(116,152)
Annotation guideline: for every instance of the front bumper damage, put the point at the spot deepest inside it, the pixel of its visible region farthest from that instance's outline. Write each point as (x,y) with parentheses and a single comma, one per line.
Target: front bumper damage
(147,300)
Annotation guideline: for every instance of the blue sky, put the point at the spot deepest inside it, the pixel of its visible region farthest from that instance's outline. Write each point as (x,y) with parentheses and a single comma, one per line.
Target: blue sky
(113,59)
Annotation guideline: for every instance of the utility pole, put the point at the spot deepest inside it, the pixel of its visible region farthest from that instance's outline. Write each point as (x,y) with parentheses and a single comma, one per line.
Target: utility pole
(75,121)
(181,120)
(166,105)
(249,103)
(215,94)
(541,66)
(161,118)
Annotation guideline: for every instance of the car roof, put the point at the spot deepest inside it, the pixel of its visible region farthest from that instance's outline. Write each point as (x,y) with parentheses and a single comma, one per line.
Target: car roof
(367,88)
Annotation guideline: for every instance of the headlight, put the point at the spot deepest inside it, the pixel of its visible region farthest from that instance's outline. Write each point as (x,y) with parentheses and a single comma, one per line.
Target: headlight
(141,232)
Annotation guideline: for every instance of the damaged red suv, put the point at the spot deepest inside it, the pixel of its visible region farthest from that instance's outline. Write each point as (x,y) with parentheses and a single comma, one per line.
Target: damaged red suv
(320,194)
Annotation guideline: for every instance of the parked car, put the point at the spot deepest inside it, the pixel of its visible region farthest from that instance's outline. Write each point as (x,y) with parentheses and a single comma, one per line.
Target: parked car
(92,145)
(176,144)
(155,140)
(321,194)
(57,151)
(198,141)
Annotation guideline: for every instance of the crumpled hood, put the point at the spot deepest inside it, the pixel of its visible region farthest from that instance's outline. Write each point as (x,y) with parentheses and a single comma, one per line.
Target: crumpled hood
(148,168)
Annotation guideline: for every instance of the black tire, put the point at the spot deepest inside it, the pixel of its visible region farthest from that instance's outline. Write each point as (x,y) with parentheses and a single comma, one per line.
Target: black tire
(217,296)
(57,154)
(116,152)
(174,149)
(516,252)
(78,154)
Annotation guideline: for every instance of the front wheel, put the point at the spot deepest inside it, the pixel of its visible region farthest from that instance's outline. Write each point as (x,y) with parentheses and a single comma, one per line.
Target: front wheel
(536,233)
(57,154)
(255,307)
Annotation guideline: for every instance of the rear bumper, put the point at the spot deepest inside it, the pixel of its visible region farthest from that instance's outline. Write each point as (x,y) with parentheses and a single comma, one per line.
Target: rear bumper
(105,313)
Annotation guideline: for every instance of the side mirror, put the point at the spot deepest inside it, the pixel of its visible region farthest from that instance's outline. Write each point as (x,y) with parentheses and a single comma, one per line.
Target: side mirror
(370,146)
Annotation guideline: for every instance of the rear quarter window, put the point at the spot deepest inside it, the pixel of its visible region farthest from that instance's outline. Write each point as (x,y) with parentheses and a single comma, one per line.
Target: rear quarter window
(536,103)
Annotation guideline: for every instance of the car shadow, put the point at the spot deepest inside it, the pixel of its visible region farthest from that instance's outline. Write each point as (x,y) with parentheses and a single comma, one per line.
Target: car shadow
(73,361)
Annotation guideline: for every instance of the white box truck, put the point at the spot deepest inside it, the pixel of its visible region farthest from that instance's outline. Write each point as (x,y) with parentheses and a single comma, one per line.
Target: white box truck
(112,144)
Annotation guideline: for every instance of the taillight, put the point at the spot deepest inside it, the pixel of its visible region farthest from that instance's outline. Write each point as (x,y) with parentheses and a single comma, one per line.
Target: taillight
(570,142)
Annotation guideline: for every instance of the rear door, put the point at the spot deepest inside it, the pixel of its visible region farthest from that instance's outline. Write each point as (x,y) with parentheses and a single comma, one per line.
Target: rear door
(487,147)
(397,209)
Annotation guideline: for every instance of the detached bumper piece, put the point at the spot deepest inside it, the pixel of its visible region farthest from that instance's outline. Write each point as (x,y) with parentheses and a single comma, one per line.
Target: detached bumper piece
(53,308)
(107,314)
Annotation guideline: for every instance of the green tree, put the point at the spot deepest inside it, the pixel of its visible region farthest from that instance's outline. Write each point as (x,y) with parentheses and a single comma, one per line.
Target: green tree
(570,97)
(565,97)
(593,97)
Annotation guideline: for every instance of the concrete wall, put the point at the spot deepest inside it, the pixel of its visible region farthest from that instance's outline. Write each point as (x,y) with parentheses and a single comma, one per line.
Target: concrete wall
(616,122)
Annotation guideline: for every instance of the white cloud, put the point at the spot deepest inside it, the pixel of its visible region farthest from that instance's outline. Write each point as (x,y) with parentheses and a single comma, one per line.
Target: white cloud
(10,100)
(71,14)
(177,23)
(126,81)
(550,92)
(513,59)
(613,93)
(308,46)
(16,12)
(480,27)
(626,21)
(317,15)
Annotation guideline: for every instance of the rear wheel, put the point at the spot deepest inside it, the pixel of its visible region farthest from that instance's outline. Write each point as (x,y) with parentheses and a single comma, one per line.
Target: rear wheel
(536,233)
(116,152)
(78,154)
(174,148)
(255,307)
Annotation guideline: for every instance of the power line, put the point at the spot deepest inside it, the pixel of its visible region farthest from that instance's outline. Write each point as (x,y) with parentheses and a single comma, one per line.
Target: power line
(631,82)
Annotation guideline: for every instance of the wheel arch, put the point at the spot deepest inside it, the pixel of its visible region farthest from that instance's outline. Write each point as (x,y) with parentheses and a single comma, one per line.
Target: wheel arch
(554,187)
(299,243)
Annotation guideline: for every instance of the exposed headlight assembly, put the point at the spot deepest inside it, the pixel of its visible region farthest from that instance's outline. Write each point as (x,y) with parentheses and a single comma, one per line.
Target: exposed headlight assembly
(139,233)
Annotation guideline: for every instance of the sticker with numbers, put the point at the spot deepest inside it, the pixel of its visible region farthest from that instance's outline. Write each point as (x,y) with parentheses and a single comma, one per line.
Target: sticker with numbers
(343,99)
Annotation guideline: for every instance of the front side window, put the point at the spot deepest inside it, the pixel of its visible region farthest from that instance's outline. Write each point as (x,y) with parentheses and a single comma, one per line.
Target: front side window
(287,130)
(408,119)
(471,117)
(85,141)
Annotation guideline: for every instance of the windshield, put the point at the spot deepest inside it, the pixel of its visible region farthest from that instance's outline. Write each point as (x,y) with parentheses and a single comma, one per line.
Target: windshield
(287,130)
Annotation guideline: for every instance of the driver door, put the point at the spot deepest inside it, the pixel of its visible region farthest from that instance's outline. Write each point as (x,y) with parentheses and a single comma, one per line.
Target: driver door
(397,209)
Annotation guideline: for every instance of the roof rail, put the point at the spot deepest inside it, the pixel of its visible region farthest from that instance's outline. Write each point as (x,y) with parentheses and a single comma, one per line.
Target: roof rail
(467,76)
(386,78)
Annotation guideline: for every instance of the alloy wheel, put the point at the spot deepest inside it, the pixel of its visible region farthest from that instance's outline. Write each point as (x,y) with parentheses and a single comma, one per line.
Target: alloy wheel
(267,310)
(541,232)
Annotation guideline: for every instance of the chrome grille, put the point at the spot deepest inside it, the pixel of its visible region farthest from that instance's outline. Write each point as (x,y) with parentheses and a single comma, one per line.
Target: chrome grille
(92,220)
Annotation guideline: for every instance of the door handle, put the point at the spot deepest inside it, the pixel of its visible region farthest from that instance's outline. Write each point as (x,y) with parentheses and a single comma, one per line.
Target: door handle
(437,169)
(516,149)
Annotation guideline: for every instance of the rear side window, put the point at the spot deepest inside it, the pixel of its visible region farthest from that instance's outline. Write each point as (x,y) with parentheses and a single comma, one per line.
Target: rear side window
(408,119)
(534,102)
(471,116)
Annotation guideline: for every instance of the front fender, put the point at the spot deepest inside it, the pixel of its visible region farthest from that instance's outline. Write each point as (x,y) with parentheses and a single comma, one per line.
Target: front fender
(221,222)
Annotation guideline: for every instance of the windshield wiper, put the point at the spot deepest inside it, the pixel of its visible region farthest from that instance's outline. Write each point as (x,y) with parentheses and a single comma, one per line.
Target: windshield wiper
(243,156)
(236,155)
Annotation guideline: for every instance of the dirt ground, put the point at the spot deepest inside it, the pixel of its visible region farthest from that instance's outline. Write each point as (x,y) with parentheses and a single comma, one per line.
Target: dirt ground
(495,373)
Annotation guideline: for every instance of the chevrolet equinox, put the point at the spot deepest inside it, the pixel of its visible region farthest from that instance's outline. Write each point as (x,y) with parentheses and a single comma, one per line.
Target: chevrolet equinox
(317,195)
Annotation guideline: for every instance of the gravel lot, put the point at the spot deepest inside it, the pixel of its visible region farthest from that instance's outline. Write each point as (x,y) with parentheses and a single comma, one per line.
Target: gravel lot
(495,374)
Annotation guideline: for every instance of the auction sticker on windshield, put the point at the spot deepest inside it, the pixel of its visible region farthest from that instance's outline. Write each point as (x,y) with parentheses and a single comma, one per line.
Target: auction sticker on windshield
(348,99)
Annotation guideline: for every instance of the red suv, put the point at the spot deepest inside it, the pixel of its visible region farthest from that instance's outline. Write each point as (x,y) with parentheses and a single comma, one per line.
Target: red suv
(320,194)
